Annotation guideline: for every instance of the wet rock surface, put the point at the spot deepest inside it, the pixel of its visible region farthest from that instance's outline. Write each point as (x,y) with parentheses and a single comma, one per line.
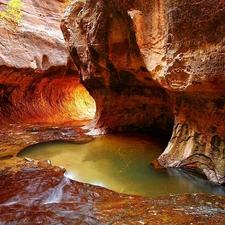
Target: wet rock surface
(36,192)
(142,73)
(15,137)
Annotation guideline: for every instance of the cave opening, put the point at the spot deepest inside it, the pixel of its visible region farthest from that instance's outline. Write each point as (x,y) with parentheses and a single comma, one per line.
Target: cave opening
(66,101)
(80,105)
(48,109)
(49,101)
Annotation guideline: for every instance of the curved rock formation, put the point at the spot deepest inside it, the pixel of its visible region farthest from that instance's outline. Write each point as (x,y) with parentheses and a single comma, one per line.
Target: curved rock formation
(103,46)
(194,72)
(158,61)
(39,83)
(146,64)
(183,45)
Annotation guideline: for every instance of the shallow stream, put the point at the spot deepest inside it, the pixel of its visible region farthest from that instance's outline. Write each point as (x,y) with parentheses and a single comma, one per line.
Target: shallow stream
(121,162)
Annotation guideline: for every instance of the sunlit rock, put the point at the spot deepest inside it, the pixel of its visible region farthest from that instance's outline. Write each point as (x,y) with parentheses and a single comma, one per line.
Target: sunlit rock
(39,83)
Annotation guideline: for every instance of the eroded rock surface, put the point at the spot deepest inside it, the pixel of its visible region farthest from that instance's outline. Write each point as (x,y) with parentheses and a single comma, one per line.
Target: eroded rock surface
(194,72)
(39,193)
(38,81)
(15,137)
(182,45)
(103,46)
(159,61)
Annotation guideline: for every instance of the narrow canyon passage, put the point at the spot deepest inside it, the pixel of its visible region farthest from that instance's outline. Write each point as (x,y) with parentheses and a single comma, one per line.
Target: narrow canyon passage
(74,70)
(44,109)
(48,99)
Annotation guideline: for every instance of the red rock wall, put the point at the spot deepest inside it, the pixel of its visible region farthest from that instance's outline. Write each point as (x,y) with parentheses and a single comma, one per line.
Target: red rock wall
(39,84)
(103,46)
(156,58)
(146,64)
(194,72)
(187,59)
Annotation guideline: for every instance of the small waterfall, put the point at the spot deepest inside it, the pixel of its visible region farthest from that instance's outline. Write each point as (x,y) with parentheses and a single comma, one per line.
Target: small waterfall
(55,194)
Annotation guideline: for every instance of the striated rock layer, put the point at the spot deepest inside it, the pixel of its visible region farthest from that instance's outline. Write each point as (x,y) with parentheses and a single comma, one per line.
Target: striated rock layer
(38,81)
(194,72)
(149,63)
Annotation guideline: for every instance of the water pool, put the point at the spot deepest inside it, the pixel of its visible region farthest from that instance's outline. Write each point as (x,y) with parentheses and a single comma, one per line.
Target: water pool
(121,162)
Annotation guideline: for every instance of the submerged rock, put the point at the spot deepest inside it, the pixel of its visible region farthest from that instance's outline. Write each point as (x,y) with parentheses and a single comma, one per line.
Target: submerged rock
(14,137)
(39,193)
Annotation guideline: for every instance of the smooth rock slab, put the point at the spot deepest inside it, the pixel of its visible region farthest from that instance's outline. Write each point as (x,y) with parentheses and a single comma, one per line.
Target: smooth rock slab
(33,192)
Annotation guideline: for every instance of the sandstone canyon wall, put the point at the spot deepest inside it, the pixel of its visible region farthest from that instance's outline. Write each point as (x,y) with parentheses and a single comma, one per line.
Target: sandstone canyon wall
(149,65)
(103,46)
(151,62)
(194,74)
(39,82)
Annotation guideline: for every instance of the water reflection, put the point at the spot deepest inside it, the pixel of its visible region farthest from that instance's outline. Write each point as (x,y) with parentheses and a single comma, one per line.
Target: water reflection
(120,162)
(191,180)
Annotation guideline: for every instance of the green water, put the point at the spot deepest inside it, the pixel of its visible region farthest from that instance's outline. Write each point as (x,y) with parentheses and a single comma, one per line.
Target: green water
(120,162)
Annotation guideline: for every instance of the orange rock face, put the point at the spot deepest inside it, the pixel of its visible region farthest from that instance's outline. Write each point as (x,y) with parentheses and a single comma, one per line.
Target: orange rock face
(194,73)
(39,83)
(148,65)
(159,61)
